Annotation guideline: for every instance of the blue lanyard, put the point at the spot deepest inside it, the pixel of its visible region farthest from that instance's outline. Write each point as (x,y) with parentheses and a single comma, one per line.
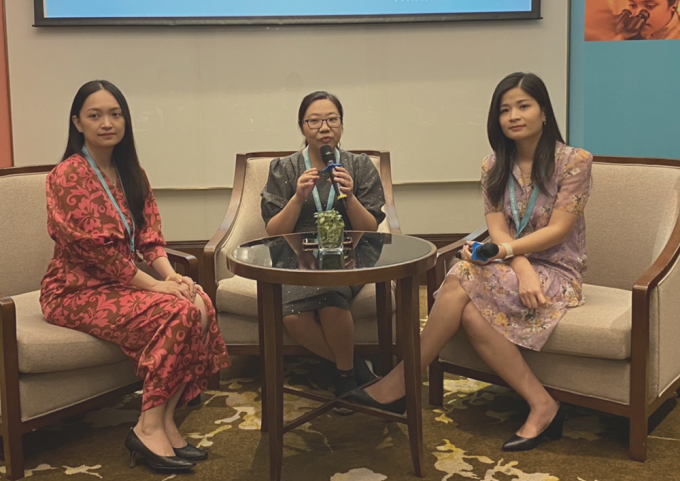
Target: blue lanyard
(520,225)
(131,232)
(315,192)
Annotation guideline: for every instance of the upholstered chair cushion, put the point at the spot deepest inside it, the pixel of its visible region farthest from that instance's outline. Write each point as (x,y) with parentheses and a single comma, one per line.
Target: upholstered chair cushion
(237,295)
(600,328)
(44,348)
(45,393)
(600,378)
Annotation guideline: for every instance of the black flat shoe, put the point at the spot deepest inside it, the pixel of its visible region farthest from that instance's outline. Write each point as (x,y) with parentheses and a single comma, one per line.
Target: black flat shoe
(553,432)
(360,396)
(159,463)
(363,371)
(191,453)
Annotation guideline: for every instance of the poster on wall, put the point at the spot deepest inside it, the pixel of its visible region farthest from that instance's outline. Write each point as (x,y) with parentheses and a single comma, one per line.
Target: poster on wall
(613,20)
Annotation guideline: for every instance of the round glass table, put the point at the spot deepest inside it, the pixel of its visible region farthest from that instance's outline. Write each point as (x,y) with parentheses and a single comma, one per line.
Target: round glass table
(367,257)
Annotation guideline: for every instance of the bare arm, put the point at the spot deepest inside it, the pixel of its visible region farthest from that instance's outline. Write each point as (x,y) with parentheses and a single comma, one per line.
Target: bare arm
(553,234)
(530,289)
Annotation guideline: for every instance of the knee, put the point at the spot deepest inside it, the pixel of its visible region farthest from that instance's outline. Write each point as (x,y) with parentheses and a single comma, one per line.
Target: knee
(190,311)
(474,324)
(452,291)
(292,322)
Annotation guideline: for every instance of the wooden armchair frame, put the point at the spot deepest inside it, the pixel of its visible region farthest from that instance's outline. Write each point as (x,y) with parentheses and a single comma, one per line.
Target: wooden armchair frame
(12,428)
(641,405)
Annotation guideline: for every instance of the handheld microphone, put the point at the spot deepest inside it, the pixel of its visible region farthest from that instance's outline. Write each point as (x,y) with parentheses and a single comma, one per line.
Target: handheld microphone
(328,158)
(484,252)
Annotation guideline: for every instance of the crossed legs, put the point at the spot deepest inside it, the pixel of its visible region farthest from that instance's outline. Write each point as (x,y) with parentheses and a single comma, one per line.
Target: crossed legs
(451,310)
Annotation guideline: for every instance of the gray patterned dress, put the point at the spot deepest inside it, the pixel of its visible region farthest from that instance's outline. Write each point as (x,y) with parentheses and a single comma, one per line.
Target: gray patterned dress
(280,188)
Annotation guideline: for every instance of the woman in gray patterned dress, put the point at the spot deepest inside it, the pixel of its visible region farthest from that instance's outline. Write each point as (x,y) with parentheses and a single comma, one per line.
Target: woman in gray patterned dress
(535,190)
(319,317)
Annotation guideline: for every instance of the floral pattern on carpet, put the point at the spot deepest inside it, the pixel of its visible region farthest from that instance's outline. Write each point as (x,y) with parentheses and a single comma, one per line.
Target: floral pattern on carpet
(462,439)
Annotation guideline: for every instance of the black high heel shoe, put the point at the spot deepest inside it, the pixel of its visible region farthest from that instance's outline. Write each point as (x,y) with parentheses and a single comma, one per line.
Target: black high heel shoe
(360,396)
(553,432)
(191,453)
(159,463)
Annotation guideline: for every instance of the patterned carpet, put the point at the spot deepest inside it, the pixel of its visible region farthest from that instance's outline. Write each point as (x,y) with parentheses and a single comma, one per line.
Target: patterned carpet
(462,441)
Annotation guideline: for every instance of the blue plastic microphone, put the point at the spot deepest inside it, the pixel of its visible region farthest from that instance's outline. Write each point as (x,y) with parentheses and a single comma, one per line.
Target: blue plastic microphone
(484,252)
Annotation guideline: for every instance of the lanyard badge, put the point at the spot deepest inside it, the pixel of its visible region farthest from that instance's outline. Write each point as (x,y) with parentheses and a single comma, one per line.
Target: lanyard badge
(130,231)
(521,224)
(315,192)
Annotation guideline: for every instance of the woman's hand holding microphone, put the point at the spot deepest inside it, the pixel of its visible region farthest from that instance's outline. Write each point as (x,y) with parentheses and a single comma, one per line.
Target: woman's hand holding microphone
(530,288)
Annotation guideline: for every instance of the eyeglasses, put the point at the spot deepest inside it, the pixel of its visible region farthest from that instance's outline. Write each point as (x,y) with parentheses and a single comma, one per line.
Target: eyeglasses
(315,124)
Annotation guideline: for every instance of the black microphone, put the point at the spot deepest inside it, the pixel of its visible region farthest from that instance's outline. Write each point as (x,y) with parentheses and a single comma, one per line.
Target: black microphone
(484,252)
(328,158)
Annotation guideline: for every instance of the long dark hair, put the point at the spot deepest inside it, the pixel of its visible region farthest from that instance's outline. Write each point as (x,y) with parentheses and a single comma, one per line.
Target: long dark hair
(313,97)
(505,149)
(124,154)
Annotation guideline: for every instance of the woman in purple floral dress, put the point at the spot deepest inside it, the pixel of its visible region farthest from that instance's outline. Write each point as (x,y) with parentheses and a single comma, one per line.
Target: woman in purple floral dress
(535,191)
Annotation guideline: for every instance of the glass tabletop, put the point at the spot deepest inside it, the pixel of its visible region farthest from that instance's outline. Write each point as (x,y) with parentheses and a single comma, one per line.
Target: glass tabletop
(362,250)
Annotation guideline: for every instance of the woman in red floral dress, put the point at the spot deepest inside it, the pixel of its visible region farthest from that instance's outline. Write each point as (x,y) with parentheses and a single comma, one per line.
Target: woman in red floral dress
(103,218)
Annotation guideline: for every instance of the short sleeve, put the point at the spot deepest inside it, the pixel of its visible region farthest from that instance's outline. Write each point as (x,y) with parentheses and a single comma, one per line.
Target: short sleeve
(150,239)
(574,186)
(368,187)
(280,188)
(487,164)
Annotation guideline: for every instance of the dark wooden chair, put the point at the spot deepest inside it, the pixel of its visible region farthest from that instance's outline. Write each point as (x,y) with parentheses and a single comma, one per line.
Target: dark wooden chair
(235,297)
(618,353)
(47,373)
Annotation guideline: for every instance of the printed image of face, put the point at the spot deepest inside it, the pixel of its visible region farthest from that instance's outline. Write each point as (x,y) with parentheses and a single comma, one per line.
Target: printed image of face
(322,124)
(521,117)
(101,121)
(660,13)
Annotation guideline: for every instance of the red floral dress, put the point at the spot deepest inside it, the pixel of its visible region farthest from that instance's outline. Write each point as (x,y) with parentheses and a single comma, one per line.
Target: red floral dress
(87,287)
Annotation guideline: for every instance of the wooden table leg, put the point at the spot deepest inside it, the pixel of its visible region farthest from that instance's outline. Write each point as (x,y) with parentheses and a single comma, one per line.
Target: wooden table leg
(408,325)
(272,319)
(383,299)
(263,367)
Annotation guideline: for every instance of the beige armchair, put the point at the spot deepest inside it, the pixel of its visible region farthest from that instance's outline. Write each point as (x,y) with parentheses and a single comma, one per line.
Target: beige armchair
(235,298)
(47,373)
(618,353)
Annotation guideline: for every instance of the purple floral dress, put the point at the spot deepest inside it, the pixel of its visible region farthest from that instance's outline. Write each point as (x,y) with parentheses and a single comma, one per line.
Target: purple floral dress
(493,288)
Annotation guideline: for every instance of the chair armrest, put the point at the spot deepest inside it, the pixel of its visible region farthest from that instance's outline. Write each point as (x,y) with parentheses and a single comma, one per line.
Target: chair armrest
(188,262)
(435,276)
(663,269)
(207,275)
(9,362)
